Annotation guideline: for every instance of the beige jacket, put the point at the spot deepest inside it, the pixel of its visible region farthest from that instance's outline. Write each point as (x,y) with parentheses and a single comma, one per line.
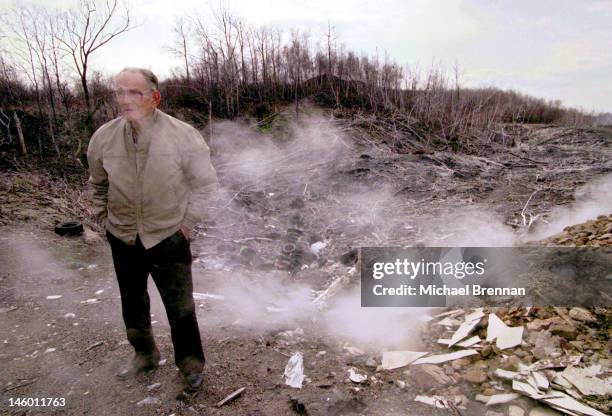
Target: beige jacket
(153,187)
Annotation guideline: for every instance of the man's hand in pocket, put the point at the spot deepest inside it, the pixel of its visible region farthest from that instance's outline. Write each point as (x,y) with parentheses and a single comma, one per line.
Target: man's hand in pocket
(186,232)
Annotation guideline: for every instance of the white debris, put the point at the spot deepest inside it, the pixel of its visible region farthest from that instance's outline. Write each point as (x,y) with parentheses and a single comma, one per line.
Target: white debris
(316,248)
(471,320)
(204,296)
(99,292)
(505,374)
(149,401)
(448,321)
(154,386)
(90,301)
(294,371)
(541,381)
(69,315)
(507,337)
(397,359)
(567,403)
(92,266)
(511,337)
(495,327)
(441,358)
(477,314)
(356,377)
(585,380)
(465,344)
(53,297)
(436,401)
(528,390)
(50,350)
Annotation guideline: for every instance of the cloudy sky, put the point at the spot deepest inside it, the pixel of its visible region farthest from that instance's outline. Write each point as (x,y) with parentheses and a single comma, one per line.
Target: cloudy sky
(555,49)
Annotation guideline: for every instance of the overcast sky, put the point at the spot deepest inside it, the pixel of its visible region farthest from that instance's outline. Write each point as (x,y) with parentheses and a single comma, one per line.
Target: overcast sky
(553,49)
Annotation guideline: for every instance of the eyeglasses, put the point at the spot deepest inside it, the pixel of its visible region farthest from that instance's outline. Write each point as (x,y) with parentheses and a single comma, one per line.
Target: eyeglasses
(133,95)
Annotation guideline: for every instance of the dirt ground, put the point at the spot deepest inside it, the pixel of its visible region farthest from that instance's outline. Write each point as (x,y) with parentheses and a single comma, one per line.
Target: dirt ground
(321,180)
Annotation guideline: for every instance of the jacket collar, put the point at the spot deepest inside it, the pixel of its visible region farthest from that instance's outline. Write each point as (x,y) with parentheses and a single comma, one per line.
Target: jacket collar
(145,129)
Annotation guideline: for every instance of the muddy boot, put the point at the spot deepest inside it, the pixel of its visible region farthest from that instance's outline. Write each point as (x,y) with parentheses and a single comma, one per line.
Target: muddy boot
(191,370)
(140,364)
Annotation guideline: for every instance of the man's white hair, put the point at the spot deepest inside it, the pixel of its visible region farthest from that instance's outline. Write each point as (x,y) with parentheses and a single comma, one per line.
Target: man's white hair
(148,75)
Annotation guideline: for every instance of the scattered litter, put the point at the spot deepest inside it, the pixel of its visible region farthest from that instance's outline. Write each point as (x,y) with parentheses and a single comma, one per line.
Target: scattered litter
(232,396)
(90,301)
(50,350)
(69,315)
(397,359)
(441,358)
(53,297)
(436,401)
(294,371)
(92,266)
(153,386)
(94,345)
(317,247)
(99,292)
(162,362)
(356,377)
(204,296)
(149,401)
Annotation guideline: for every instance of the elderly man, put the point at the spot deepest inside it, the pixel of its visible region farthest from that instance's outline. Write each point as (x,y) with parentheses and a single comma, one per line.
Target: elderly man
(152,177)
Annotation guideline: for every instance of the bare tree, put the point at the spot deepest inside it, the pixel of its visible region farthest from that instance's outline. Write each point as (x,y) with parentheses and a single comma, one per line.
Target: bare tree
(87,29)
(182,32)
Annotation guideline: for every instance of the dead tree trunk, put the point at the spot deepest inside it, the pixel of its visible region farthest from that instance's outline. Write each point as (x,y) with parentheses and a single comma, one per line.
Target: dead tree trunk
(20,133)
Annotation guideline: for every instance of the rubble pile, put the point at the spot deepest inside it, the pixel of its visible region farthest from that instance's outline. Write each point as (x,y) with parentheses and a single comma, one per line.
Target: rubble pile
(596,233)
(557,356)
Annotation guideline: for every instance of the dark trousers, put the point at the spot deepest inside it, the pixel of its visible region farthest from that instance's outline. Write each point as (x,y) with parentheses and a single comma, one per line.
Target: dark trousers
(169,263)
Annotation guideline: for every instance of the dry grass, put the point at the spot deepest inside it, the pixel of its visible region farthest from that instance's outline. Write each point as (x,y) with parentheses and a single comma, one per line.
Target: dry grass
(42,199)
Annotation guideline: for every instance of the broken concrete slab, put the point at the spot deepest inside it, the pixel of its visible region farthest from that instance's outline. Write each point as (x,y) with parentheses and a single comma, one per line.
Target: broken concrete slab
(466,343)
(441,358)
(505,336)
(585,380)
(397,359)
